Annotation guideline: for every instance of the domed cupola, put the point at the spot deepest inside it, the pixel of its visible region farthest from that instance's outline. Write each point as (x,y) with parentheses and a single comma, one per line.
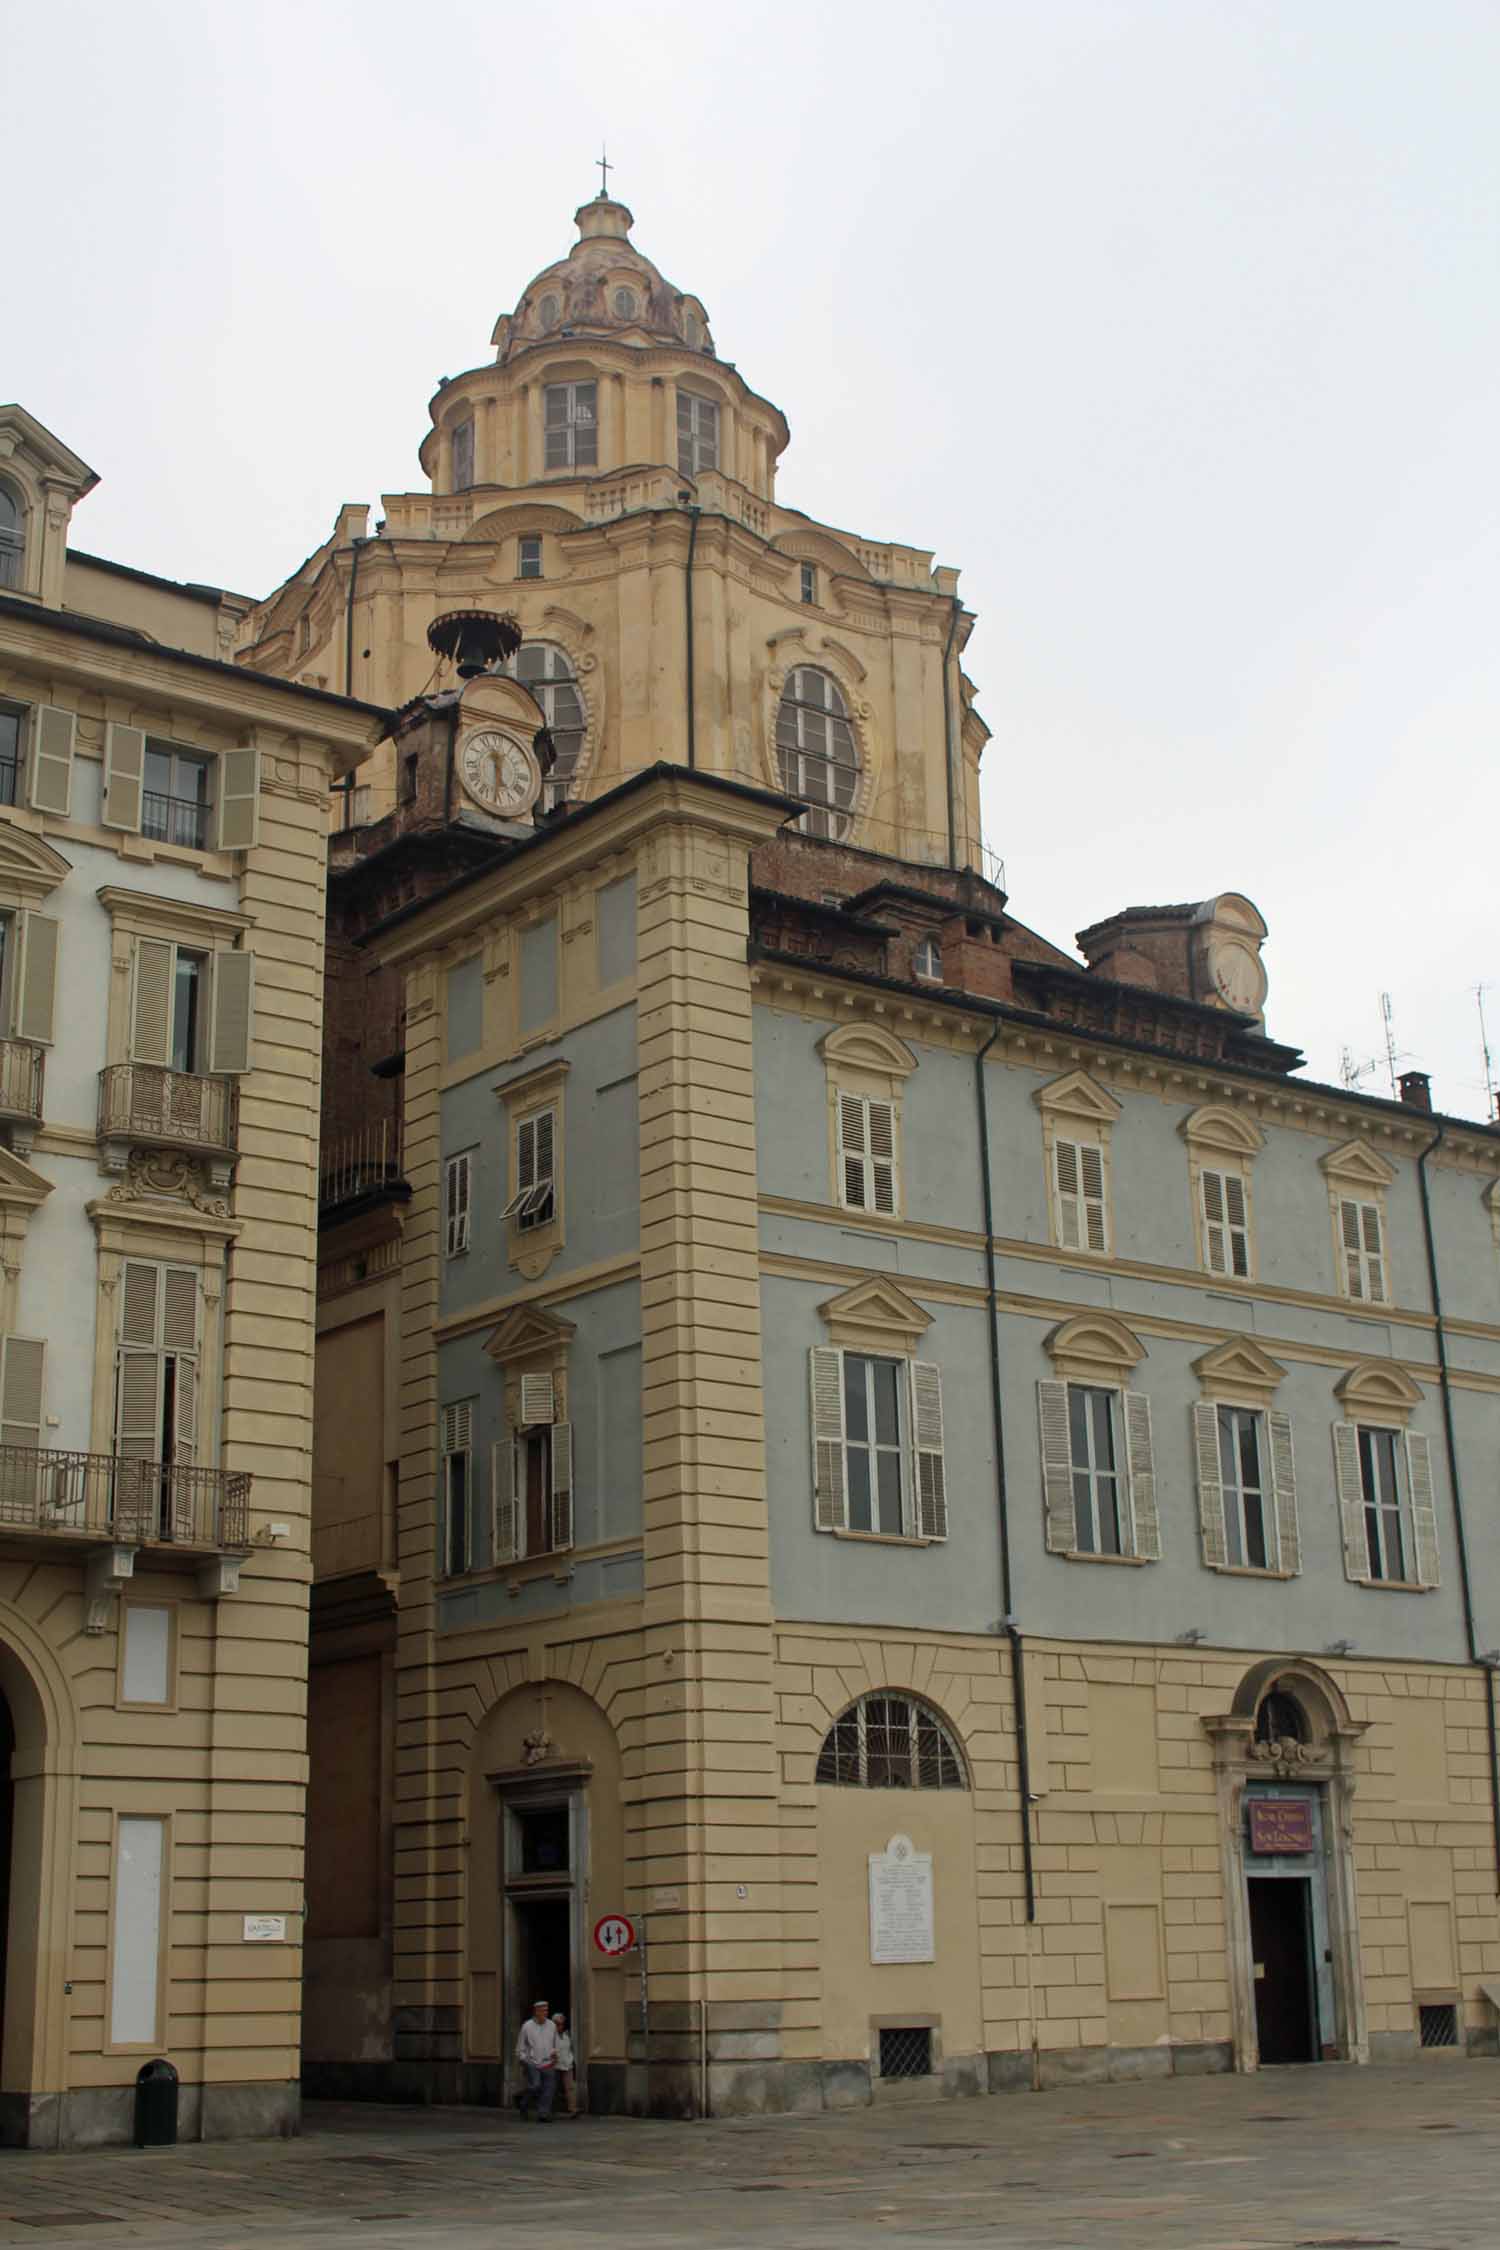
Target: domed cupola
(604,287)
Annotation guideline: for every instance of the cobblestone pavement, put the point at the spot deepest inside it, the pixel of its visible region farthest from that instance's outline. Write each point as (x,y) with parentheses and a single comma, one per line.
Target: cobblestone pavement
(1318,2159)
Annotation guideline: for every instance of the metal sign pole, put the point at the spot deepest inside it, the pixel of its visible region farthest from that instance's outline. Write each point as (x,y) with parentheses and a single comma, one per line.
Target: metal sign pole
(645,2011)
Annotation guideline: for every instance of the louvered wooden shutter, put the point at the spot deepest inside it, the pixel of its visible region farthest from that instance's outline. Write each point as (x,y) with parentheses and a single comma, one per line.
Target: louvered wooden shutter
(50,778)
(931,1477)
(1145,1537)
(538,1399)
(1284,1486)
(151,1013)
(1057,1467)
(852,1157)
(1080,1195)
(1210,1481)
(179,1336)
(562,1484)
(124,776)
(36,978)
(1374,1250)
(1091,1163)
(238,828)
(457,1214)
(1215,1244)
(1364,1254)
(880,1119)
(457,1438)
(1226,1238)
(1351,1502)
(504,1514)
(542,1128)
(232,1003)
(22,1362)
(830,1485)
(1237,1213)
(1423,1509)
(867,1154)
(138,1388)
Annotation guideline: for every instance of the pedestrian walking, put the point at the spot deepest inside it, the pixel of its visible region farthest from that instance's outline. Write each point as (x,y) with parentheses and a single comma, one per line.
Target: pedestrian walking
(565,2063)
(536,2052)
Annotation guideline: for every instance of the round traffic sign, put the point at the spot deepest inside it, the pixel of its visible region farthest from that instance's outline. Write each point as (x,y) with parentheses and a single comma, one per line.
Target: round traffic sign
(614,1934)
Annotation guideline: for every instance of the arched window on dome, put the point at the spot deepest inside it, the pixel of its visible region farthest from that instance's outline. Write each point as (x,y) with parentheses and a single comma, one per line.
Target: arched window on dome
(816,751)
(627,305)
(548,671)
(12,537)
(887,1741)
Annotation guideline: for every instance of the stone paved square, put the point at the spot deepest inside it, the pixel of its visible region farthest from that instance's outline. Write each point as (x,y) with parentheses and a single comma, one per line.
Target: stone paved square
(1319,2159)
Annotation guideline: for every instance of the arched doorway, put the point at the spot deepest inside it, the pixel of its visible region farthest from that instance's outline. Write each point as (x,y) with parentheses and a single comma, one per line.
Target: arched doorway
(38,1765)
(7,1837)
(1283,1762)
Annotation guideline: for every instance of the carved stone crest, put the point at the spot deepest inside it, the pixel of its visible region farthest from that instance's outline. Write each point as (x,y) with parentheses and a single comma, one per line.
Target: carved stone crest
(166,1176)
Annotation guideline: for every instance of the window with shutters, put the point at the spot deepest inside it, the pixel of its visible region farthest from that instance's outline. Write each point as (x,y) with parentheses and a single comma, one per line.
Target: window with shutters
(180,796)
(175,795)
(570,416)
(1382,1478)
(1222,1147)
(22,1367)
(878,1465)
(816,752)
(867,1154)
(1359,1180)
(1226,1223)
(1078,1188)
(1362,1250)
(28,985)
(1383,1472)
(456,1531)
(1098,1467)
(1077,1119)
(159,1406)
(533,1470)
(697,432)
(890,1741)
(1245,1463)
(458,1175)
(191,1008)
(534,1191)
(12,536)
(12,721)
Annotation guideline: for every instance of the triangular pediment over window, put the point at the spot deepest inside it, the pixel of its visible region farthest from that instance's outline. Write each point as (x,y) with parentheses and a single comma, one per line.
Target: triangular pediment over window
(1078,1095)
(875,1315)
(29,869)
(1238,1364)
(1357,1165)
(19,1184)
(529,1329)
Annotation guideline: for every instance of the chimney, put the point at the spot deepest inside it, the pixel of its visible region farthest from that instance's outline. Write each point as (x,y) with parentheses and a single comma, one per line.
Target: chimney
(1416,1089)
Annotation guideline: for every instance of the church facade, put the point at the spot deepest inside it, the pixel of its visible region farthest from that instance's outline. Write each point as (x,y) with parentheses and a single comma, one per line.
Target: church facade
(927,1475)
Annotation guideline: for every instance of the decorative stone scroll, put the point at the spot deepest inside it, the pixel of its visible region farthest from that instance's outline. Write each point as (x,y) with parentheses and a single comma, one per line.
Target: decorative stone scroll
(901,1918)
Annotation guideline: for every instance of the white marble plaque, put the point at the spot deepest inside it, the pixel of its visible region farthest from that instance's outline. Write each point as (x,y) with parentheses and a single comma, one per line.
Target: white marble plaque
(900,1903)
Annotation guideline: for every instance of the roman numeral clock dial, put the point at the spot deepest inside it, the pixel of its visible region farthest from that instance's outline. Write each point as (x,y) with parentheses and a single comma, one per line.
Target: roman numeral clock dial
(499,773)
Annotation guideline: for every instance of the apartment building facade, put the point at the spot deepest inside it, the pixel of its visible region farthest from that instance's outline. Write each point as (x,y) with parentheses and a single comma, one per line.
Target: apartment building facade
(162,843)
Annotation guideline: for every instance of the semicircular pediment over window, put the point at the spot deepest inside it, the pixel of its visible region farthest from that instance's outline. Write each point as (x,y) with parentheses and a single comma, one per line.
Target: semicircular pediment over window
(889,1740)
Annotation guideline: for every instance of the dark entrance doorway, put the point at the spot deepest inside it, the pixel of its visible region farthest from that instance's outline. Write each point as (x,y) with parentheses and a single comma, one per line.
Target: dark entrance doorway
(1281,1946)
(544,1955)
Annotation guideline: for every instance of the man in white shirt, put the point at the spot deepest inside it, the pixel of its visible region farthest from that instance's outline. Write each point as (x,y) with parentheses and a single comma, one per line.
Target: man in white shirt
(536,2052)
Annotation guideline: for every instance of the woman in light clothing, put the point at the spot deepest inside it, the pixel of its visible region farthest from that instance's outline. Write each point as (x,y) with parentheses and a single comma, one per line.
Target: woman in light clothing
(565,2063)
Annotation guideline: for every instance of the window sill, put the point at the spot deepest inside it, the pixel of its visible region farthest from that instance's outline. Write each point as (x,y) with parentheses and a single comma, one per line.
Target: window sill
(885,1538)
(1394,1586)
(1246,1570)
(1129,1562)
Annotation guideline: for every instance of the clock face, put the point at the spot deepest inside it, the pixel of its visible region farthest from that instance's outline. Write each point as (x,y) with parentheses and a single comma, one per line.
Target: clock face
(1239,979)
(498,772)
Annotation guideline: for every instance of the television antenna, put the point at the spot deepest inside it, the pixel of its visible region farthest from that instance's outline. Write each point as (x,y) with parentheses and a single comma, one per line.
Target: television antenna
(1484,1051)
(1353,1074)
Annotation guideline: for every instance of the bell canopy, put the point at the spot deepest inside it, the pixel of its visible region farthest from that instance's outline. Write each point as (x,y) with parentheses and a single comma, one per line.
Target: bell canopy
(604,287)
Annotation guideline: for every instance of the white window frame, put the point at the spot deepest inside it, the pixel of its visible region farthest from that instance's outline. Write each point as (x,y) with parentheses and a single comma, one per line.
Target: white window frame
(1095,1475)
(808,582)
(1237,1492)
(579,421)
(528,551)
(1080,1212)
(800,761)
(458,1202)
(1224,1230)
(1364,1268)
(927,960)
(1093,1352)
(457,1445)
(698,427)
(868,1168)
(919,1445)
(1379,1442)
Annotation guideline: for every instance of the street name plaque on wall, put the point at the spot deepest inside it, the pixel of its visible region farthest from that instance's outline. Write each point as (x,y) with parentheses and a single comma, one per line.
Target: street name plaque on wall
(1280,1826)
(900,1903)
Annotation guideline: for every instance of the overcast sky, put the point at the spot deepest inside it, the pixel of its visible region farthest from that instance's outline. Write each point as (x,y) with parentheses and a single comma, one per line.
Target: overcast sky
(1174,324)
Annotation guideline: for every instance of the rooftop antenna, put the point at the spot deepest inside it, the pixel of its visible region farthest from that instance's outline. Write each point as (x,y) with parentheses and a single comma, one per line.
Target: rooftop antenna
(1484,1049)
(1390,1043)
(605,168)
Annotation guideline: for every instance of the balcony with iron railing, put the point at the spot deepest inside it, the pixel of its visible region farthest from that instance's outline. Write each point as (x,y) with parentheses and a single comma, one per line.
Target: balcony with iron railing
(145,1106)
(85,1499)
(21,1069)
(358,1165)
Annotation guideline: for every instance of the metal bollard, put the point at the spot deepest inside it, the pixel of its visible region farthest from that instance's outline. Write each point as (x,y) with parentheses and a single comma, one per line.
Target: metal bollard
(156,2105)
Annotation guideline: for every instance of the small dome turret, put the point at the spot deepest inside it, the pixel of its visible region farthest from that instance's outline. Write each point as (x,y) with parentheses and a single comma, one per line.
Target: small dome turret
(604,287)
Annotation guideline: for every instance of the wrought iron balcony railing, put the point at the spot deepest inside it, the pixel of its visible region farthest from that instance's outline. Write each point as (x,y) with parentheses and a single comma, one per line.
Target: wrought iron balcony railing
(96,1496)
(360,1163)
(21,1081)
(142,1102)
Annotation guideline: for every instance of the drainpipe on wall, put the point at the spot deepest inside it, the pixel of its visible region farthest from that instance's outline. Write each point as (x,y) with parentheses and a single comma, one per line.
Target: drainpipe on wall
(948,734)
(1009,1623)
(1450,1443)
(687,596)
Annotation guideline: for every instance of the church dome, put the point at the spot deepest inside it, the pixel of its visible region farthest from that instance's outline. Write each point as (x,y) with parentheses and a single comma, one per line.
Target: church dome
(604,287)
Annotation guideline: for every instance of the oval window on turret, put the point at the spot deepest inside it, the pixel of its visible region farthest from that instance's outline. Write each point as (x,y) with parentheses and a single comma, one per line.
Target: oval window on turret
(547,312)
(816,751)
(625,304)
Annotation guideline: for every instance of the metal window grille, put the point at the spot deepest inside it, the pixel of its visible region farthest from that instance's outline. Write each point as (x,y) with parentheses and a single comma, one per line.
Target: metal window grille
(906,2053)
(890,1742)
(1438,2024)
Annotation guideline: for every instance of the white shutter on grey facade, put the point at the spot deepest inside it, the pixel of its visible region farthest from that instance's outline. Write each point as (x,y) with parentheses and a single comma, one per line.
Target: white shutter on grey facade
(124,776)
(1057,1467)
(931,1476)
(238,778)
(1210,1484)
(562,1484)
(504,1514)
(830,1494)
(49,777)
(36,978)
(1145,1535)
(538,1399)
(1423,1509)
(1284,1486)
(1351,1496)
(151,1003)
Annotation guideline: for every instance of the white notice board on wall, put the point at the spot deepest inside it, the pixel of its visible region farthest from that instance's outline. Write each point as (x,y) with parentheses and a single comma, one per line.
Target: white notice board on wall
(901,1919)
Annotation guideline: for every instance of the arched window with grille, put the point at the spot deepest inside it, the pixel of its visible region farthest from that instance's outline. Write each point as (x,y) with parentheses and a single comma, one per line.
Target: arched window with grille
(548,671)
(12,537)
(889,1741)
(816,751)
(1281,1718)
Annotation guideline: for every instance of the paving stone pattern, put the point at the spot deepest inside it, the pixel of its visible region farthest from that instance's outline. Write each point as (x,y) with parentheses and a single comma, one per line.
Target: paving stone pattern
(1317,2159)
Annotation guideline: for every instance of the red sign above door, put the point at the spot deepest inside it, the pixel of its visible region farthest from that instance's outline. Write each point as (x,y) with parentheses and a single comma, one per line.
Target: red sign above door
(1280,1826)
